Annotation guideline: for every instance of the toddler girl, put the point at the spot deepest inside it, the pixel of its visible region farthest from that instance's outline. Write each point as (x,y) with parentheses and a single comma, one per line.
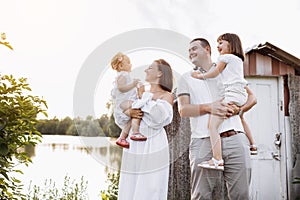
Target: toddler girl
(124,93)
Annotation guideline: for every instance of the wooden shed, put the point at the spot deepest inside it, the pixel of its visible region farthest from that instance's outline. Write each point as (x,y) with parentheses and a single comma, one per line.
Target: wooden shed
(274,77)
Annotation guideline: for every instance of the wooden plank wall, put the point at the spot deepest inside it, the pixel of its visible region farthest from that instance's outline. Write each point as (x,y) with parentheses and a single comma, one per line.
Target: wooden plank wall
(257,64)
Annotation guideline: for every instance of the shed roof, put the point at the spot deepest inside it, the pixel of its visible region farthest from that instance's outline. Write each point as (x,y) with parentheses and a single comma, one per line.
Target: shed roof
(271,50)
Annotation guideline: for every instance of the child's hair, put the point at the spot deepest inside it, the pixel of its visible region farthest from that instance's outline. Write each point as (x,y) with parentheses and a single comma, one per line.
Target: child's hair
(117,60)
(234,43)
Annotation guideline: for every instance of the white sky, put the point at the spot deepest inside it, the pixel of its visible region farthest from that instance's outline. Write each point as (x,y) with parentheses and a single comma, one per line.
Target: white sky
(52,38)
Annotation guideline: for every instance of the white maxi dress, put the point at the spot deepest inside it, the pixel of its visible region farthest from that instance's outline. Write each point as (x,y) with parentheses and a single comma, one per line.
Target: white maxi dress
(145,165)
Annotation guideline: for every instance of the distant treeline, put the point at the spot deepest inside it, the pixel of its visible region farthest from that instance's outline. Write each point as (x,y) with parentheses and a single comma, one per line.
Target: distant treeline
(104,126)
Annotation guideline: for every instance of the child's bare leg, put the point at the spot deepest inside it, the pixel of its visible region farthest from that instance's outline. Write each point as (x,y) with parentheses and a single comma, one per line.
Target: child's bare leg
(121,141)
(135,123)
(216,162)
(253,147)
(215,138)
(126,105)
(247,131)
(125,130)
(136,134)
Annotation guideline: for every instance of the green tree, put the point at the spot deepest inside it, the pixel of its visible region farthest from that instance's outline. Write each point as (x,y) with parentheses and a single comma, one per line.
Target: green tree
(87,127)
(64,125)
(72,130)
(103,123)
(18,113)
(48,127)
(113,129)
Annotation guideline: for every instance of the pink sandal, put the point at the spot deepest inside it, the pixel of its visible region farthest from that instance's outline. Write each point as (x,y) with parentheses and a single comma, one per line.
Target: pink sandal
(123,143)
(138,137)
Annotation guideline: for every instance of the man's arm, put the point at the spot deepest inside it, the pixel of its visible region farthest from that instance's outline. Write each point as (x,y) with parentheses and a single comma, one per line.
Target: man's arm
(251,101)
(186,109)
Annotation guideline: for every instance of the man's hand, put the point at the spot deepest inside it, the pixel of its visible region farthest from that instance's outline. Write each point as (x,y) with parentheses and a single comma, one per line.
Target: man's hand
(222,109)
(134,113)
(235,109)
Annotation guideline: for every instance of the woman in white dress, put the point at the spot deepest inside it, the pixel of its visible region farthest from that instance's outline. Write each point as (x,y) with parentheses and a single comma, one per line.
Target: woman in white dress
(145,165)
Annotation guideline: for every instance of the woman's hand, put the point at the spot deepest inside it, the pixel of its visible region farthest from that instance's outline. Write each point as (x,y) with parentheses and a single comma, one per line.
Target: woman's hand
(134,113)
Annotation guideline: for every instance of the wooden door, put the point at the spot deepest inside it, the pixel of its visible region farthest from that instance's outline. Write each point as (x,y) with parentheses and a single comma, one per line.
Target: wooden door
(264,121)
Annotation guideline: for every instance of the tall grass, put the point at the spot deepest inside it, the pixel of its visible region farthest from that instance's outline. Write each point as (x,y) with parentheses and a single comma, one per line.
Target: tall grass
(70,190)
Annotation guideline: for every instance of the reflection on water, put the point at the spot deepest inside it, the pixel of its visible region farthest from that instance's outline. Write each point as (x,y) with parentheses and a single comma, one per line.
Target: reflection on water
(74,156)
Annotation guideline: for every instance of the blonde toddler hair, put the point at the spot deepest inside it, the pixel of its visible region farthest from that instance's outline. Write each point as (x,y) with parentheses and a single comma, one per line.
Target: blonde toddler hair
(117,60)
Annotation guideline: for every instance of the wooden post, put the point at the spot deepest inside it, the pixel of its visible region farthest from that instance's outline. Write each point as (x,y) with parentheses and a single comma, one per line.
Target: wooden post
(294,109)
(179,134)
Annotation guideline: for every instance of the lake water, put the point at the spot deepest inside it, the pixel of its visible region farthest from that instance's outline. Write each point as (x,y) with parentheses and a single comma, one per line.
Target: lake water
(73,156)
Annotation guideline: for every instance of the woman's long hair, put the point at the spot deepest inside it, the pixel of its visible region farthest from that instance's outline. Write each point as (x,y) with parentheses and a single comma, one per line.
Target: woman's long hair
(166,80)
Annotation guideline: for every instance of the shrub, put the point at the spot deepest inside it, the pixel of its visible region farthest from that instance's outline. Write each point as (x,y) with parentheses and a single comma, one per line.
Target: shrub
(113,187)
(18,112)
(70,190)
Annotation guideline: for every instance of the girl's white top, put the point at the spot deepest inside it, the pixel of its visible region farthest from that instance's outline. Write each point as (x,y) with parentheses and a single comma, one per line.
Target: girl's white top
(234,70)
(117,96)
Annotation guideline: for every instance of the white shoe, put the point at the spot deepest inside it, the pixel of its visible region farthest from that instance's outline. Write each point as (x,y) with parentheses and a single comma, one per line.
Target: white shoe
(253,149)
(217,164)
